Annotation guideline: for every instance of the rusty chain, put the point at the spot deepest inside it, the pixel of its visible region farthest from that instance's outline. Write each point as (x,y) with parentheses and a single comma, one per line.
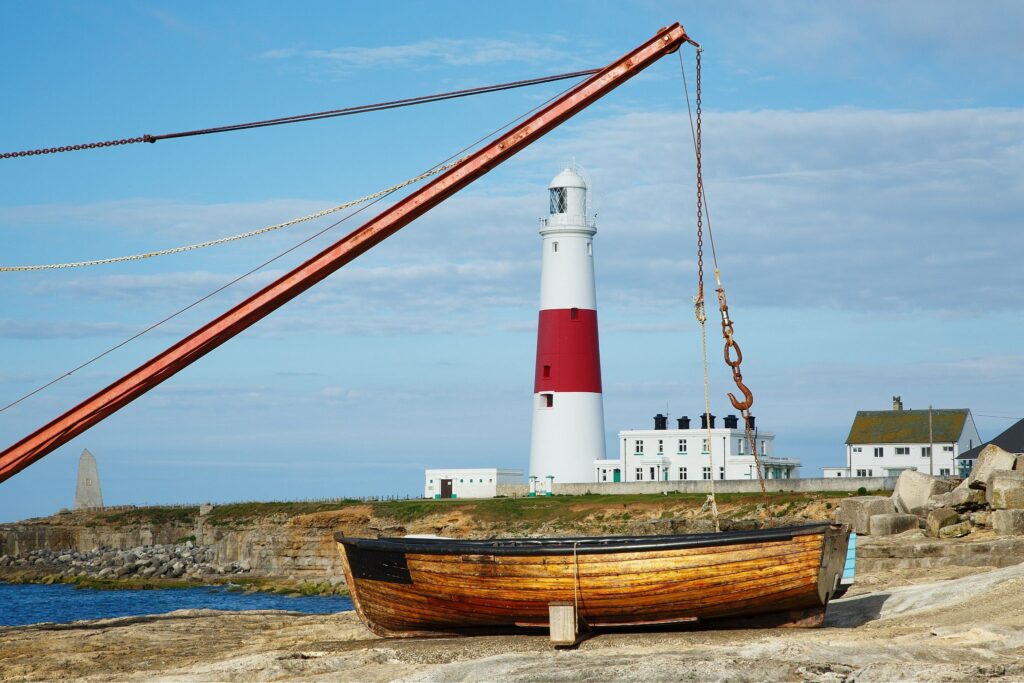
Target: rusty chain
(75,148)
(732,353)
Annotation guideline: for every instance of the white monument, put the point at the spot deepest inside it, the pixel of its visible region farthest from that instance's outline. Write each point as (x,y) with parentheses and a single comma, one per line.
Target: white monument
(87,490)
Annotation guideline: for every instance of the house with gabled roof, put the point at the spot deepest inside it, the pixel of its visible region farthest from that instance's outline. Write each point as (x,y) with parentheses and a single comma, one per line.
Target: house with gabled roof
(883,443)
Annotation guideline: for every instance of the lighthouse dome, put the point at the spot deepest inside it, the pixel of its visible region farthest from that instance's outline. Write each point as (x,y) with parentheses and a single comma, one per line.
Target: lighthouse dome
(568,178)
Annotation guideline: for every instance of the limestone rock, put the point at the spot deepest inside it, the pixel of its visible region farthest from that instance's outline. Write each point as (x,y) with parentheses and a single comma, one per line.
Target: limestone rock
(990,458)
(913,489)
(1008,522)
(892,523)
(1005,490)
(858,510)
(939,518)
(962,499)
(955,530)
(982,518)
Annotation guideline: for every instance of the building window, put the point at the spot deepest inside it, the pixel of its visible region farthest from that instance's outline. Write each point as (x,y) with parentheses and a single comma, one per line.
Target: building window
(739,446)
(639,473)
(764,447)
(682,445)
(856,449)
(639,447)
(947,449)
(661,446)
(721,473)
(547,400)
(462,481)
(604,475)
(707,472)
(682,473)
(558,199)
(943,471)
(862,473)
(926,451)
(903,450)
(878,451)
(653,477)
(705,446)
(839,474)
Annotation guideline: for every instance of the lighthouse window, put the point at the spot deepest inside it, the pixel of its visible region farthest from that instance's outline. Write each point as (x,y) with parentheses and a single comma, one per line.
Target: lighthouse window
(558,200)
(547,371)
(547,400)
(554,247)
(590,248)
(574,314)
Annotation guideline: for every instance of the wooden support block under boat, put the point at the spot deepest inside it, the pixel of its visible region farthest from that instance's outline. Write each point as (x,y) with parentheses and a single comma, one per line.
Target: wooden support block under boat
(436,587)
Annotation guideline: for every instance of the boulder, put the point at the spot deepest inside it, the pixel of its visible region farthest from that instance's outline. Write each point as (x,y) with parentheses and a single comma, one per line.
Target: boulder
(982,518)
(939,518)
(913,489)
(858,510)
(892,523)
(147,572)
(1008,522)
(955,530)
(104,573)
(990,458)
(962,499)
(1005,490)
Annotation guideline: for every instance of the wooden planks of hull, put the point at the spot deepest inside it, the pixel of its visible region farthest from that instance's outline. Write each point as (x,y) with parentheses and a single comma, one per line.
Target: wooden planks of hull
(401,588)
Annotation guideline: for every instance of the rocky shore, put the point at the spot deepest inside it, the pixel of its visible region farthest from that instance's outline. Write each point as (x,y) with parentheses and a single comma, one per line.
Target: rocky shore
(182,561)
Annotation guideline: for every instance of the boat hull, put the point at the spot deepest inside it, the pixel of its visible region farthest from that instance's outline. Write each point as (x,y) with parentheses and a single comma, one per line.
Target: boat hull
(439,587)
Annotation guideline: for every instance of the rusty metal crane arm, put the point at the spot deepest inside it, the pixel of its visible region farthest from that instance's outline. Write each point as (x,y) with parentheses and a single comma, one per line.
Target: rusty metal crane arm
(262,303)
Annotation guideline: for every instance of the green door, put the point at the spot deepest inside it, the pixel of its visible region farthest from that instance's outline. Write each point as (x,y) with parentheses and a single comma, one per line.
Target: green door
(617,475)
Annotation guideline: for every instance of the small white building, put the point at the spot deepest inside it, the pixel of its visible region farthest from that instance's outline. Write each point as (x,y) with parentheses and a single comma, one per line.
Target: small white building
(468,483)
(883,443)
(688,454)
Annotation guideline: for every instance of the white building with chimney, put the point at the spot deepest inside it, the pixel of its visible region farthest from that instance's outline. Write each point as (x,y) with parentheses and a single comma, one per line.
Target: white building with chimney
(883,443)
(688,453)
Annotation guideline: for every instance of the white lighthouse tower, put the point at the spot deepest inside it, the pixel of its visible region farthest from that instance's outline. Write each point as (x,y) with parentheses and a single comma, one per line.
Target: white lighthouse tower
(568,413)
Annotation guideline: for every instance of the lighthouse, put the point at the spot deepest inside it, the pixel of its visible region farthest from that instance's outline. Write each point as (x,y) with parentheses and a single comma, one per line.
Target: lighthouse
(568,413)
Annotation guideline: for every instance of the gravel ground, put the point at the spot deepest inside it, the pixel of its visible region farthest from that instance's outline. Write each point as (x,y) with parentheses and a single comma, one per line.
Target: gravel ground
(968,628)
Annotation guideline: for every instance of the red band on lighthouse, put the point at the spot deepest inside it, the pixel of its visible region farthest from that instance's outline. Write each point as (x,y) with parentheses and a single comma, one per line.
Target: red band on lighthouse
(568,357)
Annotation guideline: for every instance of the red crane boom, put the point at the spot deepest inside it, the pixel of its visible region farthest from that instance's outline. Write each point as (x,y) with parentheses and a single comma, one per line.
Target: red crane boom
(193,347)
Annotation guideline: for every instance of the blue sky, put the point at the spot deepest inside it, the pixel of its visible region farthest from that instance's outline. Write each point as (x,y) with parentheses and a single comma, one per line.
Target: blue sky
(864,164)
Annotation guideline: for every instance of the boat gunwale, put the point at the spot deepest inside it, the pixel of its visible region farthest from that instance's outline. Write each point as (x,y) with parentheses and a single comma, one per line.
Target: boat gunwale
(583,545)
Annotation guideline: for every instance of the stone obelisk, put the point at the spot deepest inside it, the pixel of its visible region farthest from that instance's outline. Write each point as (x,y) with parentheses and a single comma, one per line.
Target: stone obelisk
(87,490)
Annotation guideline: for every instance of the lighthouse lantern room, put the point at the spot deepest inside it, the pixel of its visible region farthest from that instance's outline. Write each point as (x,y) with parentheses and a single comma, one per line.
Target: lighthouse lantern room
(568,413)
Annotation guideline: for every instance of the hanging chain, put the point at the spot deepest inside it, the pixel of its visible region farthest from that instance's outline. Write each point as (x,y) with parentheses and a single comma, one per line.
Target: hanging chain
(732,352)
(699,311)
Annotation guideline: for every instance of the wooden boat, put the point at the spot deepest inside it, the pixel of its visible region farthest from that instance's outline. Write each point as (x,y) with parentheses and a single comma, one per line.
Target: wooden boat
(444,587)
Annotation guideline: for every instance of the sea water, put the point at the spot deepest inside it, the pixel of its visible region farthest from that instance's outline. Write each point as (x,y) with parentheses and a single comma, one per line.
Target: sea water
(22,604)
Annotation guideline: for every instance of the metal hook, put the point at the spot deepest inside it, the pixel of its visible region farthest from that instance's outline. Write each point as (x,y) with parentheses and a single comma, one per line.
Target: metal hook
(746,404)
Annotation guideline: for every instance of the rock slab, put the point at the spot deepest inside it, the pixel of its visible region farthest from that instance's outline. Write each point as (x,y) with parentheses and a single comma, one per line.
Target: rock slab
(990,458)
(858,511)
(939,518)
(892,523)
(1005,490)
(913,489)
(1008,522)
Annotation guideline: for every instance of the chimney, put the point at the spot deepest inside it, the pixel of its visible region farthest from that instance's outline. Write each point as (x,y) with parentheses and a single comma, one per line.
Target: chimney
(660,421)
(704,421)
(684,422)
(897,403)
(750,421)
(731,421)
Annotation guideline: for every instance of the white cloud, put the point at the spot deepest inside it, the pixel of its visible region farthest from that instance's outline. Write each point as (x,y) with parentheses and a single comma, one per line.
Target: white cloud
(453,52)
